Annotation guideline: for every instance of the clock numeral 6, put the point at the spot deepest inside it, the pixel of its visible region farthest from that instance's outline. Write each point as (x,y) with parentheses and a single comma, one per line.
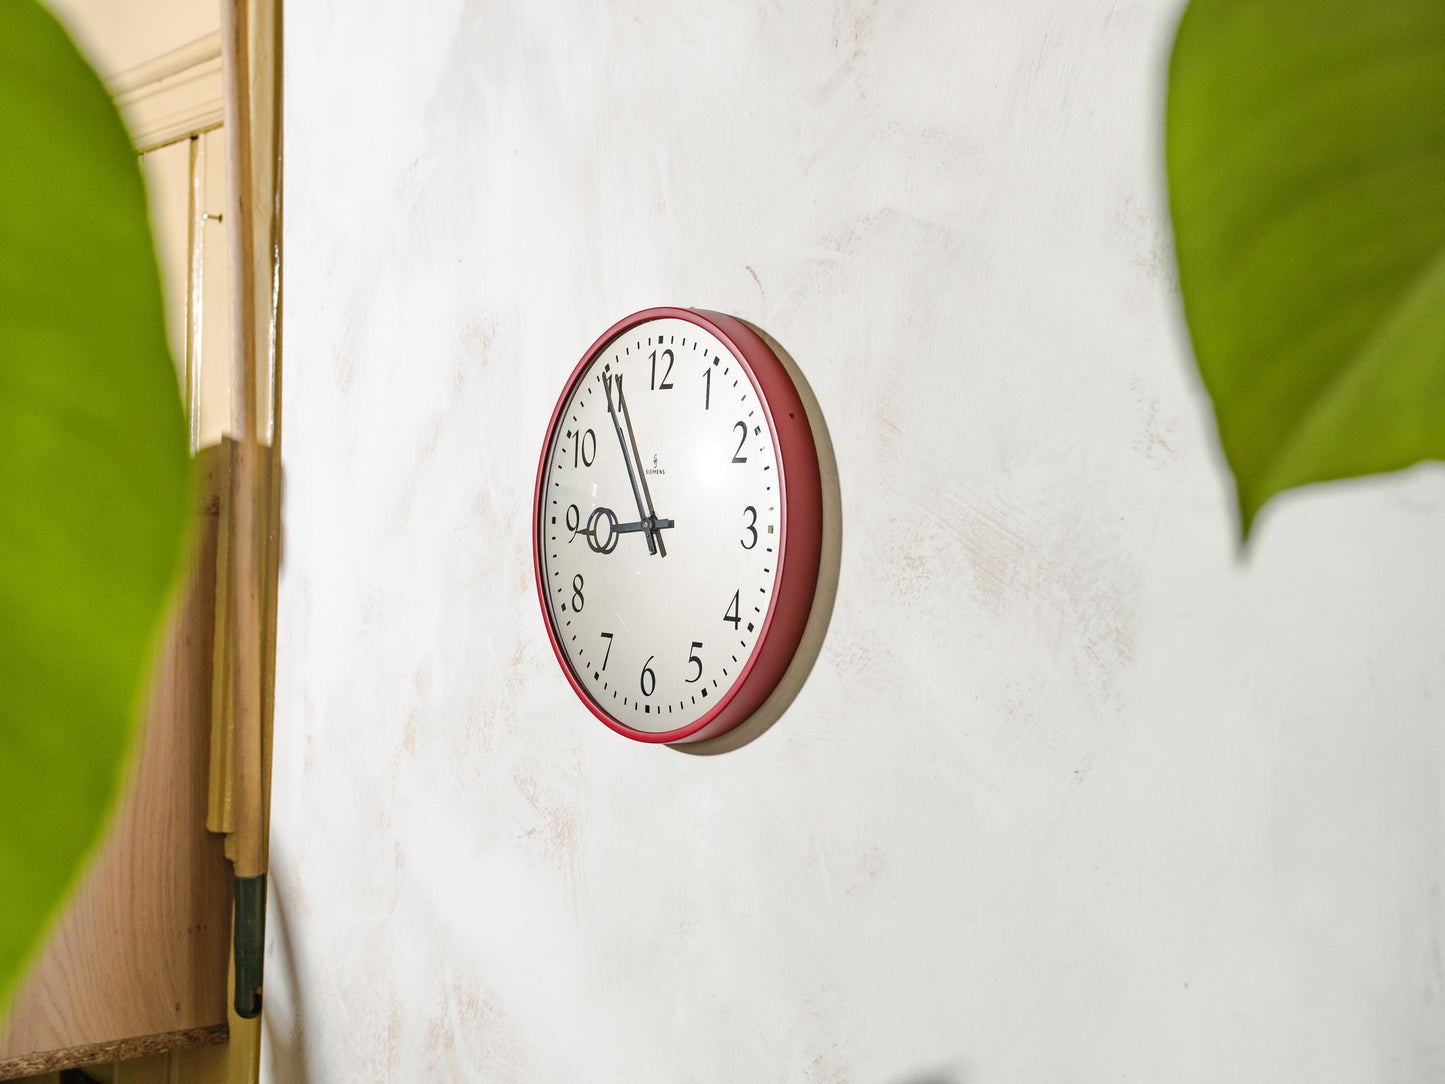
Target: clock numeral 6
(692,658)
(732,613)
(648,681)
(584,452)
(577,599)
(744,427)
(751,528)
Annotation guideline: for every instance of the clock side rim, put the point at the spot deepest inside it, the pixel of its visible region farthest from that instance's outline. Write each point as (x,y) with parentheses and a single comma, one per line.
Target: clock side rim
(800,541)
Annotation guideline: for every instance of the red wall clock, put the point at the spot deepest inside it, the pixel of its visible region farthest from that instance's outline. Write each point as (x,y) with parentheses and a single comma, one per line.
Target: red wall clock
(677,524)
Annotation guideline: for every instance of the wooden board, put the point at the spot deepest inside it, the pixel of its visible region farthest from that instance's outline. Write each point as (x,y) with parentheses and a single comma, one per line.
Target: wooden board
(142,948)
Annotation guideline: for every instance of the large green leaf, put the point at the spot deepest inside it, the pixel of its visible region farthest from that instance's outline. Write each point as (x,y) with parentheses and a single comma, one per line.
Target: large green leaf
(94,474)
(1306,164)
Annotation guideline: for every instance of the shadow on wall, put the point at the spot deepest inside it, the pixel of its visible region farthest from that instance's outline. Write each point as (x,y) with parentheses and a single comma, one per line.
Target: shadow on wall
(285,1044)
(948,1074)
(830,561)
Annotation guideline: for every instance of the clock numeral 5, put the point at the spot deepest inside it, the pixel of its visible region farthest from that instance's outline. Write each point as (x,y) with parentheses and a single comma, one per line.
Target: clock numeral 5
(692,658)
(667,357)
(732,613)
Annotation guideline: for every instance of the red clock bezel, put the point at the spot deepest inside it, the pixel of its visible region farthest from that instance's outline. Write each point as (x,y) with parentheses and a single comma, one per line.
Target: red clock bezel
(800,503)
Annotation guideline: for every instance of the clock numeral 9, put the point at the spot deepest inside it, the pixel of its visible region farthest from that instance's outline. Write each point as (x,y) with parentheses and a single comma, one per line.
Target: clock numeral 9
(732,613)
(583,452)
(744,427)
(648,681)
(577,599)
(751,528)
(665,385)
(692,658)
(574,521)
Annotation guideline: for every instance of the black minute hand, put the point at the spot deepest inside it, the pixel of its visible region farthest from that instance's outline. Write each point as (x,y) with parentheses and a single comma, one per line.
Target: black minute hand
(649,517)
(627,456)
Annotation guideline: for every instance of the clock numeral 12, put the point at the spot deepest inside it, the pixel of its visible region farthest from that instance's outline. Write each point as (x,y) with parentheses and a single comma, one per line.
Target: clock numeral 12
(667,357)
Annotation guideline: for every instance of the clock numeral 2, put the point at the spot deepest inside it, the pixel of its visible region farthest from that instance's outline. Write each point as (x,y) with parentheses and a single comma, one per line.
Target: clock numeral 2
(580,452)
(744,427)
(667,357)
(732,613)
(608,637)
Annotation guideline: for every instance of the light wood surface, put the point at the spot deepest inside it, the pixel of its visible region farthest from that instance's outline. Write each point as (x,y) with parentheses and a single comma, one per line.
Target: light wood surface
(142,947)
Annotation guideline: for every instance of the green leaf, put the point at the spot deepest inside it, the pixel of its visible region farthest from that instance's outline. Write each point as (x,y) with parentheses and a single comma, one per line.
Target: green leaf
(1306,166)
(94,475)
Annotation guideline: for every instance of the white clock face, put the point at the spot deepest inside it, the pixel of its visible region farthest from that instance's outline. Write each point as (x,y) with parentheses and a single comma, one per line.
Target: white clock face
(660,525)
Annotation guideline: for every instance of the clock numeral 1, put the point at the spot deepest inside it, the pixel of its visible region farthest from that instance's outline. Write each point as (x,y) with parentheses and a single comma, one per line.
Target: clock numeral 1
(707,391)
(648,681)
(744,427)
(667,357)
(733,614)
(608,637)
(692,658)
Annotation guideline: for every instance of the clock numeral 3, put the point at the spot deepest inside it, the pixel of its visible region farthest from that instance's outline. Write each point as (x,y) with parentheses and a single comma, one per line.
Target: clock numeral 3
(665,385)
(583,452)
(648,681)
(577,599)
(751,528)
(608,637)
(732,613)
(744,427)
(692,658)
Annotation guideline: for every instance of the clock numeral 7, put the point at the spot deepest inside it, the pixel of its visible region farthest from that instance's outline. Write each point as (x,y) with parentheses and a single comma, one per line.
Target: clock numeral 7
(667,357)
(732,613)
(692,658)
(608,637)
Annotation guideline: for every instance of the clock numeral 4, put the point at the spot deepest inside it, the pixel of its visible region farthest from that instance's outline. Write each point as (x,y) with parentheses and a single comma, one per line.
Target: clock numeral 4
(733,613)
(666,384)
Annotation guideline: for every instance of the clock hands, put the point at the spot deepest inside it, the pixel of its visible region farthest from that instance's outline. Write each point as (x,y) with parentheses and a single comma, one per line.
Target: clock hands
(648,523)
(609,543)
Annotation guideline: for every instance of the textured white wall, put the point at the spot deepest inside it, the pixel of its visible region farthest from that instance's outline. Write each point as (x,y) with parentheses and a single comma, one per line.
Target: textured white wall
(1072,794)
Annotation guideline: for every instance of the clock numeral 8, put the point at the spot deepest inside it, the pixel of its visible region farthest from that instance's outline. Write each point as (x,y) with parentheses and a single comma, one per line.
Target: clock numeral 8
(577,599)
(648,681)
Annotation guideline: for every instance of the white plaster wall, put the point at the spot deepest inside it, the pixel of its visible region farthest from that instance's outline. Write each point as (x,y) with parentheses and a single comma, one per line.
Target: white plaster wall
(1073,793)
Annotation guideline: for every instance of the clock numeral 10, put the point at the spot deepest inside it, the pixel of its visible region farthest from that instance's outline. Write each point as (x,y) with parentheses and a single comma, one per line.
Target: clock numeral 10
(666,384)
(582,452)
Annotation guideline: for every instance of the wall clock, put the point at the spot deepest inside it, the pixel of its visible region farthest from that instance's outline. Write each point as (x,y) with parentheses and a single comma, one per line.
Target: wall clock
(677,525)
